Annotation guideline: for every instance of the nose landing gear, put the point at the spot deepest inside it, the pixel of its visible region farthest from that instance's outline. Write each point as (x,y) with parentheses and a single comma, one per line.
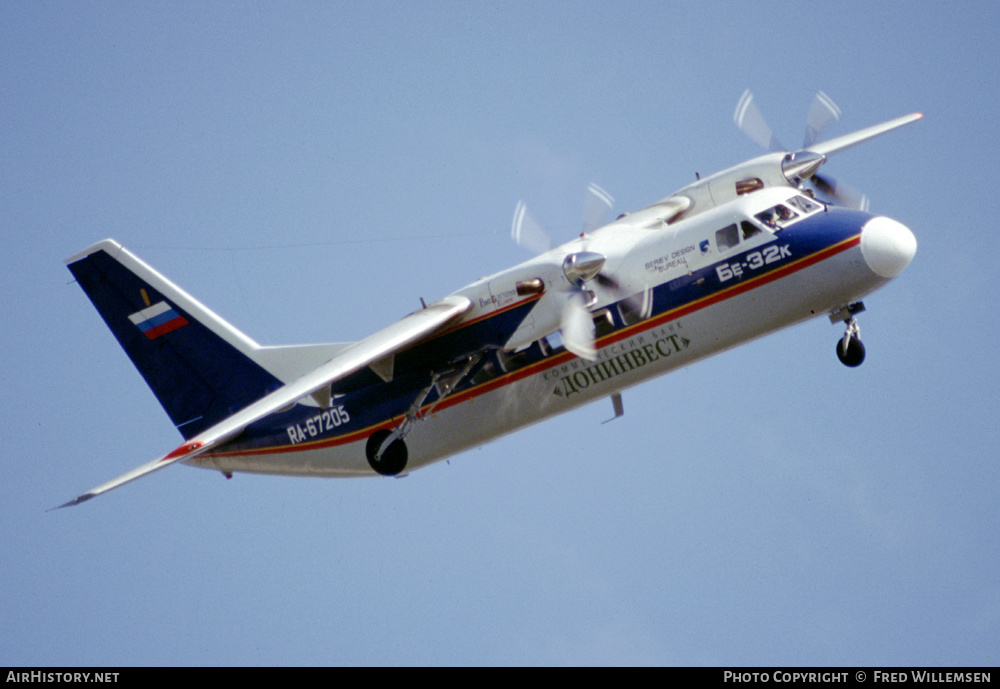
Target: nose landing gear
(850,349)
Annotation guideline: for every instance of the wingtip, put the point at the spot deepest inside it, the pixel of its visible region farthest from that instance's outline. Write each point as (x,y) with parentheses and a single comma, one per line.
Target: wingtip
(75,501)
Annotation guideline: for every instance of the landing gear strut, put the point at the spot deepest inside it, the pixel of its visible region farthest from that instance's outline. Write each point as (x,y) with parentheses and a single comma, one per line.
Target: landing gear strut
(386,450)
(850,349)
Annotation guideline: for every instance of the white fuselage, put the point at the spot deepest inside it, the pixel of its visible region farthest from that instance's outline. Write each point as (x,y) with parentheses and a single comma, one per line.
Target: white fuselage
(694,295)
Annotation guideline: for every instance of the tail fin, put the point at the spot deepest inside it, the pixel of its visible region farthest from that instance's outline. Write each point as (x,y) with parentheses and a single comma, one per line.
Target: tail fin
(200,368)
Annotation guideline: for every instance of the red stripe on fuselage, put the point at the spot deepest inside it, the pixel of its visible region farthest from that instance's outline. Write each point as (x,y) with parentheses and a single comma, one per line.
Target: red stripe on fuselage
(552,362)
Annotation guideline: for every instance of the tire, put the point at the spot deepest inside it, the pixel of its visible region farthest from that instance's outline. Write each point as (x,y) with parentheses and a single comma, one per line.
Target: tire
(853,355)
(393,460)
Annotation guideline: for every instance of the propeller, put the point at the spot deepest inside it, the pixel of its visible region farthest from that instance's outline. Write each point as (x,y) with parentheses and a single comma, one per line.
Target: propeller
(576,323)
(801,165)
(841,193)
(596,204)
(579,267)
(528,232)
(822,112)
(748,118)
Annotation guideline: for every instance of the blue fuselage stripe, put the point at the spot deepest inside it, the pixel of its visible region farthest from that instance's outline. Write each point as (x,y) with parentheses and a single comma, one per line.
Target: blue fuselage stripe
(379,405)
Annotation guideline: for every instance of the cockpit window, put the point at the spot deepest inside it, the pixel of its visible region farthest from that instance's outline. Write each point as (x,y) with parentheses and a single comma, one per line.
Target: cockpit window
(803,204)
(749,229)
(777,217)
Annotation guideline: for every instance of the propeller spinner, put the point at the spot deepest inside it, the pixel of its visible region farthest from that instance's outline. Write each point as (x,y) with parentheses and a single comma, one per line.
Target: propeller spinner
(800,166)
(577,326)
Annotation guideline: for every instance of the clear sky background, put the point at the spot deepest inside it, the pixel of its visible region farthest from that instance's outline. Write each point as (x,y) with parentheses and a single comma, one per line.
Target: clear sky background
(310,170)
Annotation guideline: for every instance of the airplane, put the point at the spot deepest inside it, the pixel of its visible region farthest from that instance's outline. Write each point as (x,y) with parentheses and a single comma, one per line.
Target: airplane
(724,260)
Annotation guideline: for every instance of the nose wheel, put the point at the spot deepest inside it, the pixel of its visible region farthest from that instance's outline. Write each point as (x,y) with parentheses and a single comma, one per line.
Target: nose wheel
(850,349)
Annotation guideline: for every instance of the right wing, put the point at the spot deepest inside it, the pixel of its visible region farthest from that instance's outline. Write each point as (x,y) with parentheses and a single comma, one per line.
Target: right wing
(846,141)
(374,350)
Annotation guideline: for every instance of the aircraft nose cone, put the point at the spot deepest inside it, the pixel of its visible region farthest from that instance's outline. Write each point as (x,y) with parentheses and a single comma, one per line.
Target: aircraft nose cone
(888,246)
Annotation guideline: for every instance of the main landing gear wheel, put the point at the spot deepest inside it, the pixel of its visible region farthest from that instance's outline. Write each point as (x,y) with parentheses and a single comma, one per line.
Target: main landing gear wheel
(393,458)
(850,351)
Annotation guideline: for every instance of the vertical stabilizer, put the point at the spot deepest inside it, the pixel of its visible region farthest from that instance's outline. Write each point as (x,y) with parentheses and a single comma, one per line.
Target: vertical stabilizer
(200,367)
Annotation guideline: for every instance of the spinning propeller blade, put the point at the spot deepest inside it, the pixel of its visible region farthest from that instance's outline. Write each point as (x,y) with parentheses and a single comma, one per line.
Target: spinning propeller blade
(801,165)
(526,231)
(748,118)
(596,204)
(823,112)
(577,326)
(844,195)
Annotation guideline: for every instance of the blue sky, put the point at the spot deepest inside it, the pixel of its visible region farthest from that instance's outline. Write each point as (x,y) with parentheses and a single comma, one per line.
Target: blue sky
(310,170)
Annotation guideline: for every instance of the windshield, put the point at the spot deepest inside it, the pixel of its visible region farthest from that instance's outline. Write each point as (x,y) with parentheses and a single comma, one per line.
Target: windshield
(777,217)
(781,215)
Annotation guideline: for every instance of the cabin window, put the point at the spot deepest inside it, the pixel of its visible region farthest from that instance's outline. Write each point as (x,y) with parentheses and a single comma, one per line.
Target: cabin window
(553,342)
(636,308)
(487,372)
(511,361)
(727,238)
(529,354)
(603,324)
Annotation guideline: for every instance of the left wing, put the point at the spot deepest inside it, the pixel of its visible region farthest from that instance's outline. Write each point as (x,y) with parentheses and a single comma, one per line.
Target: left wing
(371,350)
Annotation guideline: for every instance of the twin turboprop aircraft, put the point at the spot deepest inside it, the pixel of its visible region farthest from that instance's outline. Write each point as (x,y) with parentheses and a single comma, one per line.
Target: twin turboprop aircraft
(724,260)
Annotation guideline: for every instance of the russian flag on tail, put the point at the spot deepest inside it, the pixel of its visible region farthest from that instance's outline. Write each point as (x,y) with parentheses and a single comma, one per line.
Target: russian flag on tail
(158,319)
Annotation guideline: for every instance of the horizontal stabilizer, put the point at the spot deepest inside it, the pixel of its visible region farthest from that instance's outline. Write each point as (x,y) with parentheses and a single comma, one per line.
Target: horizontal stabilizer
(185,451)
(397,337)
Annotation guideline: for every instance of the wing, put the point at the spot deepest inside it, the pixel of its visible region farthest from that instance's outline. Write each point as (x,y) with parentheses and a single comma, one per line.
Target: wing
(842,143)
(373,350)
